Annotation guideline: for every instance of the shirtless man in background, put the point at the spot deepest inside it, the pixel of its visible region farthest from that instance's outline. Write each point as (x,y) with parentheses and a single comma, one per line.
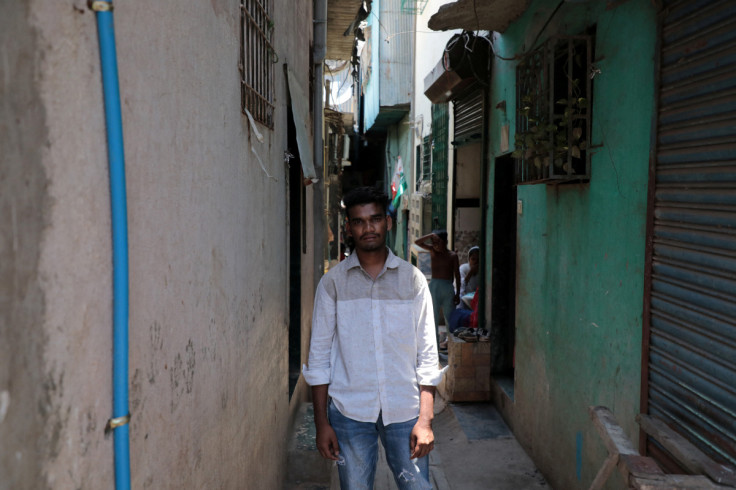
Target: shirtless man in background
(445,268)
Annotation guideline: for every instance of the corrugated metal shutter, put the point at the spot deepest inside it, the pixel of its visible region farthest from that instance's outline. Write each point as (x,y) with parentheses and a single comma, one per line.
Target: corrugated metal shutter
(440,137)
(692,327)
(395,29)
(468,112)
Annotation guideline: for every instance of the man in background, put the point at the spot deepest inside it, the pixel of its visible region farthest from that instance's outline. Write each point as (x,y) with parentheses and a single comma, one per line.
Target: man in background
(445,268)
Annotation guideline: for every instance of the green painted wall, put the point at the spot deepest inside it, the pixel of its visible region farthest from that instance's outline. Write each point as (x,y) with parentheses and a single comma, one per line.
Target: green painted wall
(580,247)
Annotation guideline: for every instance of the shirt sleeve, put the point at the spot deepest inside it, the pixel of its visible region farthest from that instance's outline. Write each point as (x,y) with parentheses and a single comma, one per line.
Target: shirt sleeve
(428,373)
(318,372)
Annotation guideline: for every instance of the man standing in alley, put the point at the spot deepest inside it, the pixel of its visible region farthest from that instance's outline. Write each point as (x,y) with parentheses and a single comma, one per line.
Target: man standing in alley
(445,268)
(373,354)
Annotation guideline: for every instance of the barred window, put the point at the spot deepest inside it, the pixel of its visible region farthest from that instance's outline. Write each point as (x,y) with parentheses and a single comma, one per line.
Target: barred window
(553,112)
(257,58)
(423,170)
(427,158)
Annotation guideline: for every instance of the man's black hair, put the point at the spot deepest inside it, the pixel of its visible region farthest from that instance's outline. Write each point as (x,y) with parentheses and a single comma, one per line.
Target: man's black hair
(365,195)
(442,234)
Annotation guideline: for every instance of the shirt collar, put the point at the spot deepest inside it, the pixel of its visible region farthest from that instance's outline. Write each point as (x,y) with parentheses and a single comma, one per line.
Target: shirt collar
(392,261)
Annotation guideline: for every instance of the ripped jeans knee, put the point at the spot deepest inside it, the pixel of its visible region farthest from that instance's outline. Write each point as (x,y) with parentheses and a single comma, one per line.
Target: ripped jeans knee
(406,476)
(358,443)
(413,476)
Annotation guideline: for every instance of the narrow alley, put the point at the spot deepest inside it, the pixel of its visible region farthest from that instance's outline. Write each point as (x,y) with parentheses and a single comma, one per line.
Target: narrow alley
(544,237)
(474,451)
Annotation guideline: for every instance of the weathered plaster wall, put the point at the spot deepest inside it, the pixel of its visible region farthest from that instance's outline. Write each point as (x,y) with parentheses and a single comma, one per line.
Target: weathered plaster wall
(25,391)
(310,279)
(207,234)
(580,248)
(468,171)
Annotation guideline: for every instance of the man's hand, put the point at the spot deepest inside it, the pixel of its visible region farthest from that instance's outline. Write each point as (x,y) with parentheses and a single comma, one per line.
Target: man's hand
(327,442)
(326,437)
(422,439)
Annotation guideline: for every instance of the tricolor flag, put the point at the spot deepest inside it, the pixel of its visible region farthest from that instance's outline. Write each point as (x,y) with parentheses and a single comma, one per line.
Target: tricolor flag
(398,186)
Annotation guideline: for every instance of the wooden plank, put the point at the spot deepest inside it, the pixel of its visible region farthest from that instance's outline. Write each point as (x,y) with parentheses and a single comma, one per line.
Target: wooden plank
(642,473)
(614,437)
(640,466)
(608,465)
(635,466)
(686,454)
(675,482)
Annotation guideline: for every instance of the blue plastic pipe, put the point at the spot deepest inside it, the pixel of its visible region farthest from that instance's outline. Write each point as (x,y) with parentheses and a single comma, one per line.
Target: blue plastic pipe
(116,158)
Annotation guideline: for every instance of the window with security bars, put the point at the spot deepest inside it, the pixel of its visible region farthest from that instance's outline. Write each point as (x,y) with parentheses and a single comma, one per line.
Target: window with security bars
(424,162)
(257,58)
(553,112)
(418,167)
(427,158)
(413,6)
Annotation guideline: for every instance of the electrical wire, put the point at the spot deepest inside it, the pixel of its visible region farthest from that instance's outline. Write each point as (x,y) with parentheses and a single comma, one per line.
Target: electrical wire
(385,31)
(477,19)
(410,32)
(549,19)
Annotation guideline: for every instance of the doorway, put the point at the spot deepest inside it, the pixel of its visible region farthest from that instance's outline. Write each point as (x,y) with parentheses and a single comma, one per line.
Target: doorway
(503,278)
(297,205)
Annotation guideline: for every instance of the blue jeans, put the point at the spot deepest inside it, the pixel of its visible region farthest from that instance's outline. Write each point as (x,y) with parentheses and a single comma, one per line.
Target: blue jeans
(443,296)
(358,443)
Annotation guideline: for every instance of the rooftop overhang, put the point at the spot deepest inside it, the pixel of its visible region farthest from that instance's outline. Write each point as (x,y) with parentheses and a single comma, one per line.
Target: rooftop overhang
(471,15)
(341,19)
(387,116)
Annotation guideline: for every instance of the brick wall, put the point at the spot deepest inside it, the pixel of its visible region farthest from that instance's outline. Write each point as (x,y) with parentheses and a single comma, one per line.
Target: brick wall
(469,377)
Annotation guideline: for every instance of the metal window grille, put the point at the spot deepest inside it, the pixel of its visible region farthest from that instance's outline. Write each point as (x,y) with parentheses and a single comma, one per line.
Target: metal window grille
(553,112)
(427,158)
(440,124)
(256,59)
(413,6)
(418,167)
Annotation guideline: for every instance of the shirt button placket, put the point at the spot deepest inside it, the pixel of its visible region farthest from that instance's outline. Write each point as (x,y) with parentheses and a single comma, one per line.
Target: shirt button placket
(378,342)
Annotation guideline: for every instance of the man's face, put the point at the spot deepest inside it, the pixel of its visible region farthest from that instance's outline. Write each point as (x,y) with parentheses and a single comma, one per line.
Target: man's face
(368,224)
(473,259)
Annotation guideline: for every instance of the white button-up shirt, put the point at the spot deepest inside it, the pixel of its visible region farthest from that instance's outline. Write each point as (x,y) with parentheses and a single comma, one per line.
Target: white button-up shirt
(373,341)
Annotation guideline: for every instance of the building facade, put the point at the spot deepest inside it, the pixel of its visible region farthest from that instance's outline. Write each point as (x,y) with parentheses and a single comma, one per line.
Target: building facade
(607,223)
(213,199)
(569,334)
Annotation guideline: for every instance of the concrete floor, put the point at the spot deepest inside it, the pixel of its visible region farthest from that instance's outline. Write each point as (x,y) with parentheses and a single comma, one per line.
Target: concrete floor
(473,450)
(481,452)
